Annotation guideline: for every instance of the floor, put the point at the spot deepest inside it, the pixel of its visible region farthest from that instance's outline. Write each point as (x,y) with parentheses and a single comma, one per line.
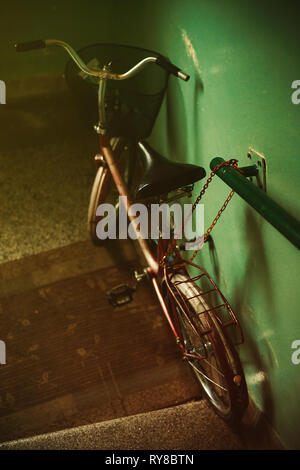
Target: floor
(46,172)
(188,426)
(72,358)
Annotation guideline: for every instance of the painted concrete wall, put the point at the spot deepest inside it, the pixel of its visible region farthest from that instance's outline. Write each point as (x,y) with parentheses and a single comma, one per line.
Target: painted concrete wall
(242,58)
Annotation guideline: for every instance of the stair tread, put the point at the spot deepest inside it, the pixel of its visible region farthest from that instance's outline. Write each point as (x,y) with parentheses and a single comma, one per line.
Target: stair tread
(188,426)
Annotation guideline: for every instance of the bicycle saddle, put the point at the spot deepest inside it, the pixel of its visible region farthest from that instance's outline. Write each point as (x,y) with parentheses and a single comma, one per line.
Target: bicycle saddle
(161,176)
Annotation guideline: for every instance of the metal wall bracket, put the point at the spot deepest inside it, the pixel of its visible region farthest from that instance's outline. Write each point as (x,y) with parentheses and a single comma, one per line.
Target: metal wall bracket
(258,159)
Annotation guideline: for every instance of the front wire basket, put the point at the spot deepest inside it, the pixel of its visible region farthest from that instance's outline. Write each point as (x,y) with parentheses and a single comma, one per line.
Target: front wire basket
(131,105)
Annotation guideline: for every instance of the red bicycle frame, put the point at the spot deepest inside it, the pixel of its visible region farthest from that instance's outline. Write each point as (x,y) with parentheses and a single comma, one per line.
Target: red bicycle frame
(153,268)
(156,269)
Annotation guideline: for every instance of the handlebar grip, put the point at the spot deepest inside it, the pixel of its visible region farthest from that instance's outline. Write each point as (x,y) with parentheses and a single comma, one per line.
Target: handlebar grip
(28,46)
(172,69)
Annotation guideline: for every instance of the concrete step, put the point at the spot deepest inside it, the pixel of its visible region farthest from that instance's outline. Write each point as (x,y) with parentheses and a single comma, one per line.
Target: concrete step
(189,426)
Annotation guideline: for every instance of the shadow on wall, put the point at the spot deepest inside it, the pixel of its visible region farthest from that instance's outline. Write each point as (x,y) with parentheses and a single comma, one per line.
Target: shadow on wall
(198,92)
(256,275)
(176,122)
(257,271)
(177,117)
(214,259)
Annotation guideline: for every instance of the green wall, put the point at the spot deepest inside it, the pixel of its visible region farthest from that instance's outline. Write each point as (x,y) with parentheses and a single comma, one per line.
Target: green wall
(242,57)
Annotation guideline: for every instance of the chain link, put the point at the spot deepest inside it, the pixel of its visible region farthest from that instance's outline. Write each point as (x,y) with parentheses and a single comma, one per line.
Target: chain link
(232,163)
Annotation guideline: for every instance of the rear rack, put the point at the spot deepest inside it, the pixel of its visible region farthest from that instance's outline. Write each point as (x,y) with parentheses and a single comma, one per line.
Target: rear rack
(210,292)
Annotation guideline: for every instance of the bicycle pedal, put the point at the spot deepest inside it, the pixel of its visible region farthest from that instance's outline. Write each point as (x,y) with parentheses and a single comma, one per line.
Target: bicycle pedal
(120,295)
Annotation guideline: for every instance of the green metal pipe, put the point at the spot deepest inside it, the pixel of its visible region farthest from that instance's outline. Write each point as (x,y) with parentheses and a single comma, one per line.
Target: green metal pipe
(286,224)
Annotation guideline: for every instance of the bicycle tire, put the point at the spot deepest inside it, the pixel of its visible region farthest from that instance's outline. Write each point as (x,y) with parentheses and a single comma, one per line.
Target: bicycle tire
(222,358)
(104,189)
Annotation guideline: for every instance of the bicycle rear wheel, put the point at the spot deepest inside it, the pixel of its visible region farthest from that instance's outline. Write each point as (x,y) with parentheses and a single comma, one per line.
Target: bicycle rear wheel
(219,372)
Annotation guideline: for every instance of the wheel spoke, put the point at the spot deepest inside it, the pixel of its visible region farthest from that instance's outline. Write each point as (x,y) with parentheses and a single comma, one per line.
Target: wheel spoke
(213,367)
(206,377)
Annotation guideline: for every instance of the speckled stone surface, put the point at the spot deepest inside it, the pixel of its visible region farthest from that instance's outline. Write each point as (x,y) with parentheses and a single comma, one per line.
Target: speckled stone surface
(46,174)
(189,426)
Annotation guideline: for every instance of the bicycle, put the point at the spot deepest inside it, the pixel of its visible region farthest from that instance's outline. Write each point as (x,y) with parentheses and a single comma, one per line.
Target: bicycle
(194,307)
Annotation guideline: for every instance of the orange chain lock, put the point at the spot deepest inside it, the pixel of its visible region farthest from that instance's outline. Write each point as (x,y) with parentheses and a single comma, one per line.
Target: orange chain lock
(233,163)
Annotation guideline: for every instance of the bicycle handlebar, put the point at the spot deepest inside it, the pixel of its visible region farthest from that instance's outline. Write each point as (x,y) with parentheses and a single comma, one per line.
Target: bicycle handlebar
(41,44)
(28,46)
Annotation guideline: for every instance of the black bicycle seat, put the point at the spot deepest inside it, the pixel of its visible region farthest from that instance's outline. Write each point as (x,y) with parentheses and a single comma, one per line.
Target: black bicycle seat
(160,175)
